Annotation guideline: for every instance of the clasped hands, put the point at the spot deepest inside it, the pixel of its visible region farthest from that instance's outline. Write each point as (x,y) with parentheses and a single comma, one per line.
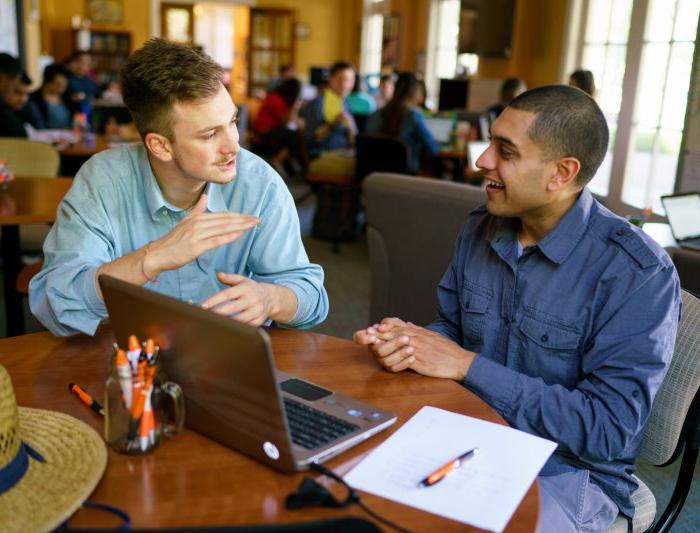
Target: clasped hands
(398,345)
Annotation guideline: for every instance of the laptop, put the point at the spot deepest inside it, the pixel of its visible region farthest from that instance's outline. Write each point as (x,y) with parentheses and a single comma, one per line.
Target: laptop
(683,213)
(440,128)
(476,148)
(233,392)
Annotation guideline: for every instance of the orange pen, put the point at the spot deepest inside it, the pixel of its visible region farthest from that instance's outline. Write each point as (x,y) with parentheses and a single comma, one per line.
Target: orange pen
(85,398)
(441,472)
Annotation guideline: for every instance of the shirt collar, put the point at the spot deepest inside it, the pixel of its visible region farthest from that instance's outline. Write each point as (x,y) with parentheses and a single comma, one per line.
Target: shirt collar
(558,243)
(561,241)
(154,196)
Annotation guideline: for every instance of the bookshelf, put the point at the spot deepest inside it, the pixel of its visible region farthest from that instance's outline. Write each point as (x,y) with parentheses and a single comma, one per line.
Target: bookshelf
(109,49)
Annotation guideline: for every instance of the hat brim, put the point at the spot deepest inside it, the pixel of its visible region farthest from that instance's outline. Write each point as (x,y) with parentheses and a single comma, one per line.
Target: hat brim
(50,492)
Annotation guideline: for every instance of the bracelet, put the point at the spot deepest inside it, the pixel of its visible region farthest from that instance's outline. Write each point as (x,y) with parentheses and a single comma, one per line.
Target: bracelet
(153,279)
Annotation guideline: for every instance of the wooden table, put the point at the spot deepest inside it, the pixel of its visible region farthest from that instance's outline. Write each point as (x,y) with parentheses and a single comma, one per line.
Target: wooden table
(24,201)
(193,481)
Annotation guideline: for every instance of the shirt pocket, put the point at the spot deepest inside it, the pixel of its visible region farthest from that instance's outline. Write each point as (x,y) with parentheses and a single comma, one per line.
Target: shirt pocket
(550,349)
(475,302)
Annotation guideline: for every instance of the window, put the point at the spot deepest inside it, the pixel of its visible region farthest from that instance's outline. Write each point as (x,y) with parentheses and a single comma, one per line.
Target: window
(641,55)
(443,31)
(372,37)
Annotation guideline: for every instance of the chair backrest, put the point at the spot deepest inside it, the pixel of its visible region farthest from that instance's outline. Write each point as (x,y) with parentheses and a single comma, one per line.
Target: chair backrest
(677,392)
(377,153)
(30,158)
(688,266)
(412,225)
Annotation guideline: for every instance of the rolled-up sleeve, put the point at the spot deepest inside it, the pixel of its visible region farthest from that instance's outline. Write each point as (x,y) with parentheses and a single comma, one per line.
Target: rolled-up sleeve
(63,296)
(278,257)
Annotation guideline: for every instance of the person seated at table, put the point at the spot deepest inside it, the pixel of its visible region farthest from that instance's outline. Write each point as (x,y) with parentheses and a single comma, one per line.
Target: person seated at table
(11,125)
(187,212)
(385,91)
(18,100)
(82,89)
(556,312)
(360,102)
(329,126)
(277,125)
(47,101)
(583,79)
(401,119)
(510,88)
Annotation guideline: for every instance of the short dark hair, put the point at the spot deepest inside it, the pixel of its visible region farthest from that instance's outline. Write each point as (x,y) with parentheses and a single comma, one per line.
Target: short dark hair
(10,66)
(568,123)
(51,72)
(340,65)
(289,90)
(160,74)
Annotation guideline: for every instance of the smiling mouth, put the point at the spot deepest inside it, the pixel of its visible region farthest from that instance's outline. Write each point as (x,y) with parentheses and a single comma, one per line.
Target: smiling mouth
(227,163)
(494,185)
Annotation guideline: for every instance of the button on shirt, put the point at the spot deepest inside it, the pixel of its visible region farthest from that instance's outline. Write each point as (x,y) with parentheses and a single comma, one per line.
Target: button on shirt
(115,206)
(573,335)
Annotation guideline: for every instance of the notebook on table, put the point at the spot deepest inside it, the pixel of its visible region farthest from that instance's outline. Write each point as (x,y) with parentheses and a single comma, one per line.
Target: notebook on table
(233,392)
(683,213)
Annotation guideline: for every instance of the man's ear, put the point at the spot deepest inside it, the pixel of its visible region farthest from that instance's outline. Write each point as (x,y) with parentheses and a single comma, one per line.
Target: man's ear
(159,145)
(565,173)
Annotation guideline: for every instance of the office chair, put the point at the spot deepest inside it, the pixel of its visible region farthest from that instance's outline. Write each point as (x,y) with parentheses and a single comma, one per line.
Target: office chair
(687,264)
(377,153)
(673,429)
(412,225)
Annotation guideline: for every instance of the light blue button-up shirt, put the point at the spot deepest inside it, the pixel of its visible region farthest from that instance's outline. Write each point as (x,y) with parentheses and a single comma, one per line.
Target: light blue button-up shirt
(573,335)
(115,206)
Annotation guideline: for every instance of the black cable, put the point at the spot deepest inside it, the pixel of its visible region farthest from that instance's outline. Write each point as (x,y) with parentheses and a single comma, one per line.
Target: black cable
(354,497)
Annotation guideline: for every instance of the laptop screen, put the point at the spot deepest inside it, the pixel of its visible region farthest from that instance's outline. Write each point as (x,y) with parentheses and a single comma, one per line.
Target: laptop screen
(440,128)
(683,212)
(476,148)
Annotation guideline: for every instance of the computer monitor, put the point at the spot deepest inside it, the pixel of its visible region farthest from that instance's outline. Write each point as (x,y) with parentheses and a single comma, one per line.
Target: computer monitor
(453,94)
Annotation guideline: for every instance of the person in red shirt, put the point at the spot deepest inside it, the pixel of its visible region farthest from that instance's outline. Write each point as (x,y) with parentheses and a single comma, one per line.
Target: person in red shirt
(277,125)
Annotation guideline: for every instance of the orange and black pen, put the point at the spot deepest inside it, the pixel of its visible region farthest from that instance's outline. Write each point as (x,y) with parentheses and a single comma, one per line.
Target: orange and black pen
(441,472)
(85,398)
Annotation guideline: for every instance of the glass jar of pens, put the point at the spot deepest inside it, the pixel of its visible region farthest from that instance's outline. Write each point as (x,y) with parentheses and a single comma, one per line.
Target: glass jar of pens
(140,405)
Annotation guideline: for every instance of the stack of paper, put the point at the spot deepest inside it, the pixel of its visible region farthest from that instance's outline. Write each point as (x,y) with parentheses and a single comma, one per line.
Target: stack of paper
(484,492)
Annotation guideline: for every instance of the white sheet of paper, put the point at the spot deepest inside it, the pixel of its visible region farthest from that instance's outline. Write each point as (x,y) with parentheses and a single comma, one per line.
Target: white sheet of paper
(484,492)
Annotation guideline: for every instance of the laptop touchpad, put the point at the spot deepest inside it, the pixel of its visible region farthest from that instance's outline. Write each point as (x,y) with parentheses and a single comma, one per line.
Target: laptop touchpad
(304,390)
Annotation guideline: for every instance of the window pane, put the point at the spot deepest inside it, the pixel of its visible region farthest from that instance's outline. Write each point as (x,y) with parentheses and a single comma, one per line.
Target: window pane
(610,80)
(651,84)
(598,21)
(620,21)
(686,20)
(660,20)
(673,113)
(651,167)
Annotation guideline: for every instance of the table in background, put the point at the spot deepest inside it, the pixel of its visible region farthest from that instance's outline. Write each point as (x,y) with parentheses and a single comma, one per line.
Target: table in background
(74,155)
(24,201)
(193,481)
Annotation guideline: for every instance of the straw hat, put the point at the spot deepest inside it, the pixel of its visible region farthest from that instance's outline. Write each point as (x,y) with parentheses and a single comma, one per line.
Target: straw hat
(47,492)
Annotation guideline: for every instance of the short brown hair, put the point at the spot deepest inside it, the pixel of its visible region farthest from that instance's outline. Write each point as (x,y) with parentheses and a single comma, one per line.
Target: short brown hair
(160,74)
(568,123)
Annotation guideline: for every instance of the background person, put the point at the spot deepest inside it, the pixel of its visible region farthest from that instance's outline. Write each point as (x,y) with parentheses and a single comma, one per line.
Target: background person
(510,88)
(11,125)
(583,79)
(401,119)
(47,102)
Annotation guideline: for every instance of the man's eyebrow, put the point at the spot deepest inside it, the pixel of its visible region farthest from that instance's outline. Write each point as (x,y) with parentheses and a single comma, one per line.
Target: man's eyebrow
(209,128)
(506,141)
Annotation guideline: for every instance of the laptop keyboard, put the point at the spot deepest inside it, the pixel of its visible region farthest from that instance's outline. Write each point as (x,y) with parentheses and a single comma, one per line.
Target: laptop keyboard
(312,428)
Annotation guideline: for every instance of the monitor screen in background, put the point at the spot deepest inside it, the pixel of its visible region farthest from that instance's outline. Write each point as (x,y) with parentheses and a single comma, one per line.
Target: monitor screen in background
(683,214)
(440,128)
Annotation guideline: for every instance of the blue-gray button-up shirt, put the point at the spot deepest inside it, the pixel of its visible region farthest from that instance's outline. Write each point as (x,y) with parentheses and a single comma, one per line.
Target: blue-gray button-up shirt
(574,334)
(115,206)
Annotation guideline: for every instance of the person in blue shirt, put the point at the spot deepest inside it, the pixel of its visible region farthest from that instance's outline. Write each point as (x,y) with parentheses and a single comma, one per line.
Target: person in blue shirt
(82,89)
(187,212)
(401,119)
(556,312)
